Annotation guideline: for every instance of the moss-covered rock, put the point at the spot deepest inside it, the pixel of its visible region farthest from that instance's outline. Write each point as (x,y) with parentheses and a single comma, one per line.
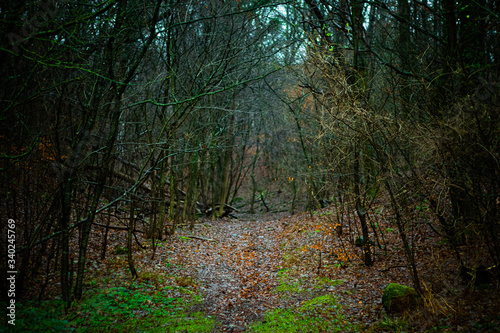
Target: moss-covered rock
(398,298)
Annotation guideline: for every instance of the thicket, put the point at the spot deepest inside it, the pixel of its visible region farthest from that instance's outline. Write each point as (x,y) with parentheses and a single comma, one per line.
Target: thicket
(410,115)
(156,114)
(124,115)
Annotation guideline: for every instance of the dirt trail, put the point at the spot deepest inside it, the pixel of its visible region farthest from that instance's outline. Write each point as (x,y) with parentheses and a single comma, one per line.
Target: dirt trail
(237,272)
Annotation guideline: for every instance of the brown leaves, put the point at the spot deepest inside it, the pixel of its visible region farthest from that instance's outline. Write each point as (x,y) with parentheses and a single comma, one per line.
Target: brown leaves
(237,276)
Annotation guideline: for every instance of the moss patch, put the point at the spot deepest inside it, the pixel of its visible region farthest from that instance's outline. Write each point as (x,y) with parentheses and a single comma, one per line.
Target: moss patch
(320,314)
(141,306)
(398,298)
(322,282)
(287,283)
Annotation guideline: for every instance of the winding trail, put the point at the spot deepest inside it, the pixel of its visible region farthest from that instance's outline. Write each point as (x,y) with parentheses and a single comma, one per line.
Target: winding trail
(306,255)
(237,273)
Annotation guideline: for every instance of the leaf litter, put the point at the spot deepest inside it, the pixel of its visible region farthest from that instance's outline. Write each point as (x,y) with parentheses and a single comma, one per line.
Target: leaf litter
(243,268)
(279,261)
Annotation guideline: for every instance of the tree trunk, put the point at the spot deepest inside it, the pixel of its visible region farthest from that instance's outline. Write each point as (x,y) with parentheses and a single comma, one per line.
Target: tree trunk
(101,180)
(227,169)
(171,207)
(402,232)
(361,211)
(64,225)
(131,227)
(158,233)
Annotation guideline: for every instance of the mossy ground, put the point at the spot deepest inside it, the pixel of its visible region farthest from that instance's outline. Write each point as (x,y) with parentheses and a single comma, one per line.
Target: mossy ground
(320,314)
(398,298)
(138,307)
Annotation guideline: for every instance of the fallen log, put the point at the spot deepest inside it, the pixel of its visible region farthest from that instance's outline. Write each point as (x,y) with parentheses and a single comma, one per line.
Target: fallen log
(210,211)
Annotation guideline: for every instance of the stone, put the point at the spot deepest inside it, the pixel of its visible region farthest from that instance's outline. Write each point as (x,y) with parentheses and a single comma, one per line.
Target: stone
(398,298)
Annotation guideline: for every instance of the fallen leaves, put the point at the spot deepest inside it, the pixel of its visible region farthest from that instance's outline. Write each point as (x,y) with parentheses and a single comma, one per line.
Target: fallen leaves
(244,268)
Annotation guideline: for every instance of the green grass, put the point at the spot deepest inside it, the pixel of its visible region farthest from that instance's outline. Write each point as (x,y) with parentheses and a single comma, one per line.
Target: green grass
(139,307)
(287,284)
(320,314)
(31,317)
(321,282)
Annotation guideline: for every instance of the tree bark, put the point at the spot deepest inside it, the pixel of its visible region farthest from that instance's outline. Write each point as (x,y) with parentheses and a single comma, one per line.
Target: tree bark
(227,169)
(361,211)
(131,227)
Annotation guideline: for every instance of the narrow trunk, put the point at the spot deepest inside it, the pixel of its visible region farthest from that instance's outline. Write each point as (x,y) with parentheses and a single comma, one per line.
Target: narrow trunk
(101,181)
(190,198)
(252,176)
(171,207)
(158,233)
(227,169)
(105,239)
(402,232)
(361,211)
(131,227)
(64,225)
(254,190)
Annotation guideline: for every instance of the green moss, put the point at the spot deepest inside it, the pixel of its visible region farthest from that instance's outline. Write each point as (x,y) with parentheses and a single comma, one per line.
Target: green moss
(287,283)
(33,317)
(327,302)
(321,282)
(141,306)
(119,250)
(195,322)
(320,314)
(398,298)
(390,325)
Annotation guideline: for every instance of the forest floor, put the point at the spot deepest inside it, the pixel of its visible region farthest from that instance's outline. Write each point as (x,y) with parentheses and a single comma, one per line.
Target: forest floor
(258,264)
(272,272)
(254,266)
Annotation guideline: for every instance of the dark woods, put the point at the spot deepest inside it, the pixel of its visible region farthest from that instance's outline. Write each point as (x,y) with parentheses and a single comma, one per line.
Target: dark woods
(155,113)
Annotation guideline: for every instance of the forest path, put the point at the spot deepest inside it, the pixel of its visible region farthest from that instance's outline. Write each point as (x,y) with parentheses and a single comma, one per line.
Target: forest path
(237,272)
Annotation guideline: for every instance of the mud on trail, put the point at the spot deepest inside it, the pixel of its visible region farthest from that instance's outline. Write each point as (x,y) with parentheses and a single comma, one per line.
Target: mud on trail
(234,267)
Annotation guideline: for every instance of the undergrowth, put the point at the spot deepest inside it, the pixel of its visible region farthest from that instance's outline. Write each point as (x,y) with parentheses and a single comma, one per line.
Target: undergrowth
(320,314)
(137,307)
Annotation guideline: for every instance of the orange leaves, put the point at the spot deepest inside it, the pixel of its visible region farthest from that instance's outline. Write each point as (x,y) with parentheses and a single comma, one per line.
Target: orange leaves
(315,247)
(46,150)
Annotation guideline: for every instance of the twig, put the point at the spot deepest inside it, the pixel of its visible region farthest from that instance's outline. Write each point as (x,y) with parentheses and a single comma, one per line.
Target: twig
(116,227)
(391,267)
(200,238)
